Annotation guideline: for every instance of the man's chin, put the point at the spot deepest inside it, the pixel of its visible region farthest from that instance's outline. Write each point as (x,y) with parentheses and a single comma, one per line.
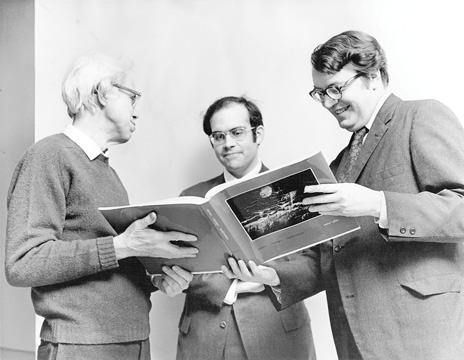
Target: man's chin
(233,167)
(347,125)
(126,139)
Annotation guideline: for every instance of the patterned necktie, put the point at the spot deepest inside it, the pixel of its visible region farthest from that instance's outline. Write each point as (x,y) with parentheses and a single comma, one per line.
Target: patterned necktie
(355,149)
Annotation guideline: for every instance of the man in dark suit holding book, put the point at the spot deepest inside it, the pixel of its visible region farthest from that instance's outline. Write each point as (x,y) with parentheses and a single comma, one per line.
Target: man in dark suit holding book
(395,287)
(232,319)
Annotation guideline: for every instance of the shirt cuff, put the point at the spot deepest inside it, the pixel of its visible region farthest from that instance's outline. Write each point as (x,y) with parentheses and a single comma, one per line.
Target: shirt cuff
(382,221)
(231,296)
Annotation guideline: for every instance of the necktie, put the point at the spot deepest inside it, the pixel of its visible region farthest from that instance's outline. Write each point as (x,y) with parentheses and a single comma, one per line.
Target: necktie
(355,149)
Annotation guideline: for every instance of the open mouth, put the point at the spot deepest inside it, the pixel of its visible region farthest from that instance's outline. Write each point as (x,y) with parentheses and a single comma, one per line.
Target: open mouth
(341,111)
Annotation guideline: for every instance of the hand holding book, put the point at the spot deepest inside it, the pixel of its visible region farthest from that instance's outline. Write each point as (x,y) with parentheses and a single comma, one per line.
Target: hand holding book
(251,273)
(141,240)
(173,281)
(345,199)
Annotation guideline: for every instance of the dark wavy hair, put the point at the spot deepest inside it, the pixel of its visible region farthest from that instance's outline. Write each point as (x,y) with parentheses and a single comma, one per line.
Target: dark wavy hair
(256,118)
(356,48)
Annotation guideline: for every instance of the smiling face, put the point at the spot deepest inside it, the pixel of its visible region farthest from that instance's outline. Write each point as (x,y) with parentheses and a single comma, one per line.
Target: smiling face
(359,100)
(237,156)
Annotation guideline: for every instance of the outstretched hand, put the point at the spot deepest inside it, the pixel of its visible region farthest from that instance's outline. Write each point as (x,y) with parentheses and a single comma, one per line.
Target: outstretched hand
(254,273)
(141,240)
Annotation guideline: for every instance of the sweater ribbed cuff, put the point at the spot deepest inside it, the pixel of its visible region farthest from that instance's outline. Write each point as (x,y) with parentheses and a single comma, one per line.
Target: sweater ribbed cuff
(106,253)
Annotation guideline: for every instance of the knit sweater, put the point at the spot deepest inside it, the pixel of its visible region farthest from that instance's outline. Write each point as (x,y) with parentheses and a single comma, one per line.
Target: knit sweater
(59,244)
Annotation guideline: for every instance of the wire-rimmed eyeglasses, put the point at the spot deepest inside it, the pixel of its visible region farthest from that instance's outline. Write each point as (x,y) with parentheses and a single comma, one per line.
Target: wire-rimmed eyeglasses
(135,94)
(333,92)
(238,134)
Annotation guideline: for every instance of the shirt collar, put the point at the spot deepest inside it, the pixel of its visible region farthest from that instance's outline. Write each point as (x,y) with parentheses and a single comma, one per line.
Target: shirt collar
(255,171)
(377,109)
(90,147)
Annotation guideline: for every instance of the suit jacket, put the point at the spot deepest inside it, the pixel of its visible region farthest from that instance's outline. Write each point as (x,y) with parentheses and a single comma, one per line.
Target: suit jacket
(266,333)
(399,289)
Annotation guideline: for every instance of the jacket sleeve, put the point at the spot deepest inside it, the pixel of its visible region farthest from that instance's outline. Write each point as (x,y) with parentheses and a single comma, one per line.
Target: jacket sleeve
(436,212)
(300,277)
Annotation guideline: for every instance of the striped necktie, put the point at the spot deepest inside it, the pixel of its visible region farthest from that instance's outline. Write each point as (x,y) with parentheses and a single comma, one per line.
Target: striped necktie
(355,149)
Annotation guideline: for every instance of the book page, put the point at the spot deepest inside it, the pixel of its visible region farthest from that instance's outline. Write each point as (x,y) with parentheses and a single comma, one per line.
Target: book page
(177,200)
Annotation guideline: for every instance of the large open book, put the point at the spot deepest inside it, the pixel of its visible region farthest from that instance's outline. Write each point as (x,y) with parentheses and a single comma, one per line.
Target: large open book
(261,218)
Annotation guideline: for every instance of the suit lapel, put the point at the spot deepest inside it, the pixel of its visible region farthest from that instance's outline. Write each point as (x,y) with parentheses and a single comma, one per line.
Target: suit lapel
(375,135)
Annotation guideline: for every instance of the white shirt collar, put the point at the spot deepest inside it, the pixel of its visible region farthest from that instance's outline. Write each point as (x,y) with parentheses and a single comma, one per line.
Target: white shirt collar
(255,171)
(377,109)
(90,147)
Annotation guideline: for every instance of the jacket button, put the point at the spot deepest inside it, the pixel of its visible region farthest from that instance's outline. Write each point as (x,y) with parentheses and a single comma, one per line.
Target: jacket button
(402,230)
(412,231)
(223,324)
(337,248)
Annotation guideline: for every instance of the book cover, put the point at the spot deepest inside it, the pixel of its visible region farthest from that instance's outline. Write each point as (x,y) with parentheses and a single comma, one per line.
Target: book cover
(261,218)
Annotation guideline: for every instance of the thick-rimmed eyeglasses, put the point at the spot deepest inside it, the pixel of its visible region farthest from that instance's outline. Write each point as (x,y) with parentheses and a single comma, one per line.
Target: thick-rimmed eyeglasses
(333,92)
(238,134)
(135,95)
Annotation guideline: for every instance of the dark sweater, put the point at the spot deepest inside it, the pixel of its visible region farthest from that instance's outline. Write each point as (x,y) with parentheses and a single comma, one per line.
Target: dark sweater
(59,244)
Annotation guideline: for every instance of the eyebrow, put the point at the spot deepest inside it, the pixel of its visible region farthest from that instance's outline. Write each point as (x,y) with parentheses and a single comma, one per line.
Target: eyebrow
(235,127)
(330,85)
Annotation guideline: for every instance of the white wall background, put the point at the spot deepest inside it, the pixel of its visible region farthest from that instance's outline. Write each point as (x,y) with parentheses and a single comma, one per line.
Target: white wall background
(189,53)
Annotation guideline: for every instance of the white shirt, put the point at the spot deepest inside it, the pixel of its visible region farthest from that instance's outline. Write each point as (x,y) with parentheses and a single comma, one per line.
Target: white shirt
(90,147)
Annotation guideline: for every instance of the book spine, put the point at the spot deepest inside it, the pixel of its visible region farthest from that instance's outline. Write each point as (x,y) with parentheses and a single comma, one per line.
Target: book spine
(226,236)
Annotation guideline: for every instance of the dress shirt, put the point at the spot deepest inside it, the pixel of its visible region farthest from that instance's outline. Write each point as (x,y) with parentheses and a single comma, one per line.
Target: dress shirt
(90,147)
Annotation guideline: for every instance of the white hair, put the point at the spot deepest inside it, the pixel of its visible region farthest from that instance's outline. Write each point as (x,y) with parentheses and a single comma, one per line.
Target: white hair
(89,76)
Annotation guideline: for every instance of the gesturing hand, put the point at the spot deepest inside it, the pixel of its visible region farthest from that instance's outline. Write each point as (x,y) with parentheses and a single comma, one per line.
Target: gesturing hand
(259,274)
(140,240)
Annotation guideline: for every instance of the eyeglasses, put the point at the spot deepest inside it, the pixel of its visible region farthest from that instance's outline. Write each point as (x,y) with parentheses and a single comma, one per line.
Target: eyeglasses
(135,94)
(238,134)
(333,92)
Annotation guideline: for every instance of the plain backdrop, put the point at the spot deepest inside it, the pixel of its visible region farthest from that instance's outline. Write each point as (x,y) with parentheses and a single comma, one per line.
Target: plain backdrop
(189,53)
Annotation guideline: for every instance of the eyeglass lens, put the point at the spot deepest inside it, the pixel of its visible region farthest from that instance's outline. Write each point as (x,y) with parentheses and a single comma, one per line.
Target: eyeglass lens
(219,137)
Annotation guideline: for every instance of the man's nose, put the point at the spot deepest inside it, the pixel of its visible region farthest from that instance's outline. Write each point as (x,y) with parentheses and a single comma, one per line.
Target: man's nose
(229,140)
(328,102)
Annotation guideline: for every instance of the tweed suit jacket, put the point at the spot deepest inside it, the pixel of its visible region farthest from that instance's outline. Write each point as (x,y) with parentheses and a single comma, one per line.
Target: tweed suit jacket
(401,288)
(265,332)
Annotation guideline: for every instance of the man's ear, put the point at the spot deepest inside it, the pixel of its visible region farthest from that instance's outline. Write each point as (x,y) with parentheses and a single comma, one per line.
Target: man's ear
(259,131)
(375,78)
(101,98)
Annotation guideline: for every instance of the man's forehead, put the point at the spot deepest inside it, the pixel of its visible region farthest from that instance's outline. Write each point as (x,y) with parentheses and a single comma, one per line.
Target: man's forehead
(234,115)
(323,80)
